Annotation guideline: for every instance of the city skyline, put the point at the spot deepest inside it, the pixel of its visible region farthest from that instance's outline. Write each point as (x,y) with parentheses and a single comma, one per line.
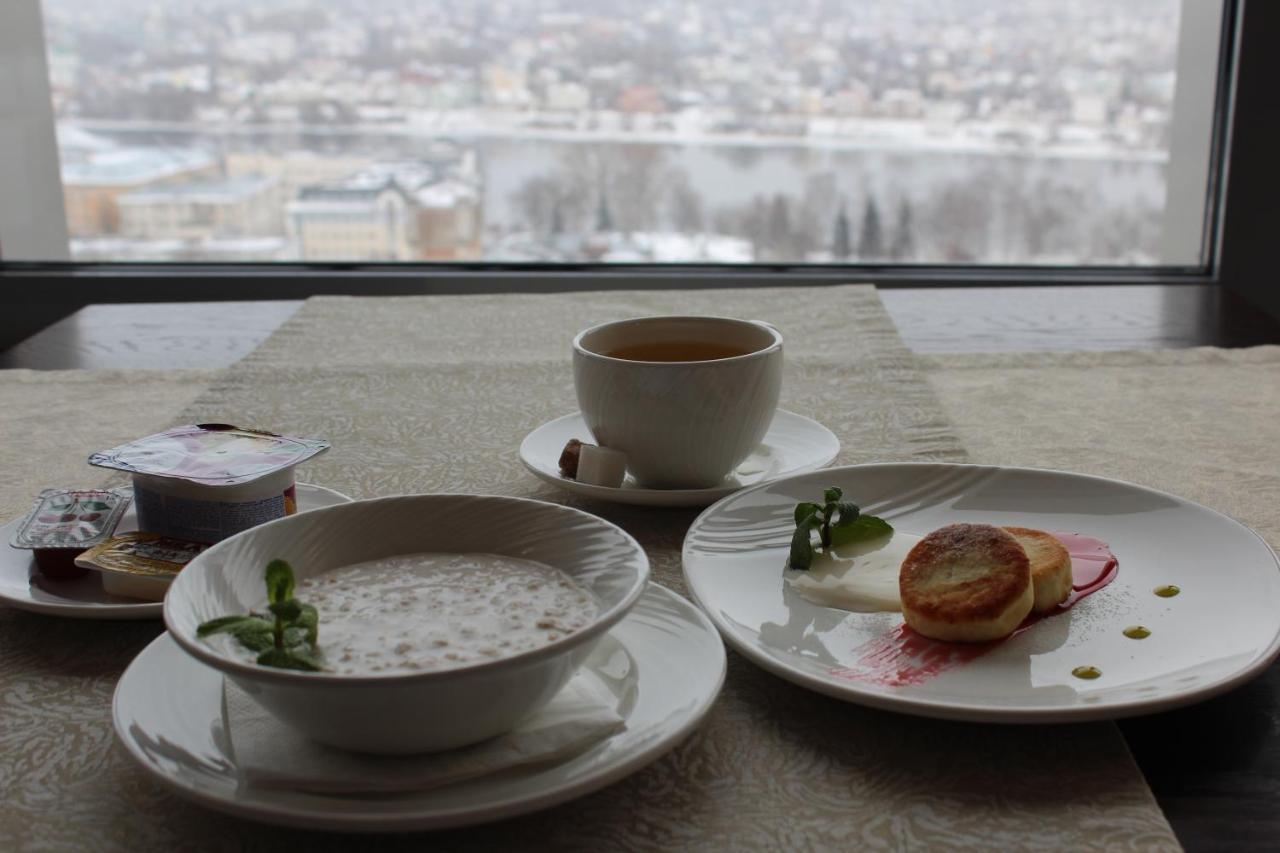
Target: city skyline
(573,107)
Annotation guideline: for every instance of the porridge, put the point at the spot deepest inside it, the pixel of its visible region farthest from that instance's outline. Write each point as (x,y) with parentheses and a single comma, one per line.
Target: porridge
(425,612)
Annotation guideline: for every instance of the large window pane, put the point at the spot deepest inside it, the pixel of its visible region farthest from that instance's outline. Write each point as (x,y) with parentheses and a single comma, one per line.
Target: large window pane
(731,131)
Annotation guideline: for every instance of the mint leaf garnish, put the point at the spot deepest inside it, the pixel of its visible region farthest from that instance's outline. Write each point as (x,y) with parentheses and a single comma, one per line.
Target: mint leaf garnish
(863,529)
(801,556)
(837,522)
(222,623)
(279,581)
(254,634)
(849,513)
(288,639)
(294,635)
(289,659)
(289,610)
(806,509)
(309,620)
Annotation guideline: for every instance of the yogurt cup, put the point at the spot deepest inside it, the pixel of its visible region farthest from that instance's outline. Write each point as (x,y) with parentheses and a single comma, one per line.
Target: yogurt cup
(205,482)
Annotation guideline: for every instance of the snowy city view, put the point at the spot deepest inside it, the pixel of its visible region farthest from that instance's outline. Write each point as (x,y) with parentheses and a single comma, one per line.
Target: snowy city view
(602,131)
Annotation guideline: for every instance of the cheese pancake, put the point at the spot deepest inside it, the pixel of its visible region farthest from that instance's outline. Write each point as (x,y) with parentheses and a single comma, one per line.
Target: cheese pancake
(967,583)
(1050,567)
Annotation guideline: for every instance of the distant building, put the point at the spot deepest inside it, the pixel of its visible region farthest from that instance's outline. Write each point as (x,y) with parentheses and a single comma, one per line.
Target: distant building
(427,209)
(95,177)
(567,97)
(352,220)
(1089,109)
(901,103)
(247,206)
(448,221)
(294,170)
(641,99)
(506,87)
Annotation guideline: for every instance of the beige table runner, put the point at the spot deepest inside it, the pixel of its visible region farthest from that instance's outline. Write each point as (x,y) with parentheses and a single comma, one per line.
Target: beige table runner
(434,394)
(1200,423)
(50,420)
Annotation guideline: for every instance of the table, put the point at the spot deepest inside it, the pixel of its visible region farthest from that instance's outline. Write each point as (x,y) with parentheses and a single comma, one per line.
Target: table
(1221,786)
(970,319)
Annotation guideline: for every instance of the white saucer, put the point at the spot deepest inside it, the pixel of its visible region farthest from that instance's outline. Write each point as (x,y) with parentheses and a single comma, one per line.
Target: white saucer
(21,586)
(664,662)
(1220,631)
(792,445)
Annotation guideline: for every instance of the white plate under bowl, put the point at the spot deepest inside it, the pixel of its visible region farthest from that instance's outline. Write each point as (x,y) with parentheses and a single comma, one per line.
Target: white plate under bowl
(1222,630)
(21,586)
(792,445)
(664,662)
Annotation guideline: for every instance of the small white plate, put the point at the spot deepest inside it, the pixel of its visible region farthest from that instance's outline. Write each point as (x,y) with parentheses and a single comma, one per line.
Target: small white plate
(664,662)
(1222,630)
(21,586)
(792,445)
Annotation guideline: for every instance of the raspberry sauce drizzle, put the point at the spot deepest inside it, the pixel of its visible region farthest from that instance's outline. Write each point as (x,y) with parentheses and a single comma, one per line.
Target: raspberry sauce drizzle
(902,657)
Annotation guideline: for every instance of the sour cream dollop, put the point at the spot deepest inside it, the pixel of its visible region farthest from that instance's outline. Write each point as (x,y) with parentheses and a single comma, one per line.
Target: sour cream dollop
(861,577)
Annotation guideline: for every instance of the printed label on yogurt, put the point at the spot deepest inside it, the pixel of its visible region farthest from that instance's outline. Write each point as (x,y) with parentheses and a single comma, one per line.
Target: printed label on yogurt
(207,521)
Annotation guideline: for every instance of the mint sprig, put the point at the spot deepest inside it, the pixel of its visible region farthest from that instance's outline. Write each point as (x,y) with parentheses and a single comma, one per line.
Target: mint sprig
(837,522)
(286,640)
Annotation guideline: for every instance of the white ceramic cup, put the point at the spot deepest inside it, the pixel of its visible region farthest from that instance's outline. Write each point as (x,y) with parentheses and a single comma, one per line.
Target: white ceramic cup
(682,424)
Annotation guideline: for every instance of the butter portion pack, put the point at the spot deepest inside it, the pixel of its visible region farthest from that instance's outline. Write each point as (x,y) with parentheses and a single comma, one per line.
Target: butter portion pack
(139,565)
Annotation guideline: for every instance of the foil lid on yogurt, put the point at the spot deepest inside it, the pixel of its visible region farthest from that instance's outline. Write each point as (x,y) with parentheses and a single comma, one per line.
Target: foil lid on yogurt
(210,454)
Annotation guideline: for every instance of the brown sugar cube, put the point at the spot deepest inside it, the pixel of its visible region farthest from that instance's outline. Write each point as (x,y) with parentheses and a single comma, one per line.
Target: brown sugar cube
(569,458)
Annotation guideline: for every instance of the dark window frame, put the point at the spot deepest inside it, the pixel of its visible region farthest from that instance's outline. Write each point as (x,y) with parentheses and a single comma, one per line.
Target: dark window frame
(1245,131)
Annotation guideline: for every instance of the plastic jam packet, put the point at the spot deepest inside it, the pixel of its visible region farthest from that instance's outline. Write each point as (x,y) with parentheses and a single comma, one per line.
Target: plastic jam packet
(64,522)
(139,565)
(210,454)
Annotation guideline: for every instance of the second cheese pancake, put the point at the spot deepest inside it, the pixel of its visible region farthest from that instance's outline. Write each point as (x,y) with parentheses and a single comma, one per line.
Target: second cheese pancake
(1050,566)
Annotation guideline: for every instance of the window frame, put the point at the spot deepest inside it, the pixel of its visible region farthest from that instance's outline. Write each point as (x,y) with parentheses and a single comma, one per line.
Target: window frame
(1233,235)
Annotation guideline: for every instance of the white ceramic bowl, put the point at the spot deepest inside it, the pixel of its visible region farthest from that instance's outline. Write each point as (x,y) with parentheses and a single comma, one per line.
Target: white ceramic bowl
(420,712)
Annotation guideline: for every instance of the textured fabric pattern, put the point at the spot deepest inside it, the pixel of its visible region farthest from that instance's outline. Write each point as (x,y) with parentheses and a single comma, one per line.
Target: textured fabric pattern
(1199,423)
(51,420)
(435,394)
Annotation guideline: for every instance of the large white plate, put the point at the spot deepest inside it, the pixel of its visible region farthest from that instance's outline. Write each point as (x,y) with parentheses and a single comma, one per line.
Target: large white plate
(793,444)
(664,662)
(1223,629)
(21,586)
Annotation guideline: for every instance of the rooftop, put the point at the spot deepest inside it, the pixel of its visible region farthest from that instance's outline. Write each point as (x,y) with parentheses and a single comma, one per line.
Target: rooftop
(133,166)
(349,191)
(217,191)
(445,194)
(425,184)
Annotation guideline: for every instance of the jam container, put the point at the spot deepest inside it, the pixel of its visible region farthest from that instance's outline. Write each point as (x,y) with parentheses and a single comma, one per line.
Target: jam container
(205,482)
(64,522)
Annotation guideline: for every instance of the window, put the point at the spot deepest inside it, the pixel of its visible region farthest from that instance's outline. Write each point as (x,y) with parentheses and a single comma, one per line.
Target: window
(1029,133)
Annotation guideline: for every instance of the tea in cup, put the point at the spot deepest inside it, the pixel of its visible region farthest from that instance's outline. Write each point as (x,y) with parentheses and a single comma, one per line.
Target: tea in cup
(687,399)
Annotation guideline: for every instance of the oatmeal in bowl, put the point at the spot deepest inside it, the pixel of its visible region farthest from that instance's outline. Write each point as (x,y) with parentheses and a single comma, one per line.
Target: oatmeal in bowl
(407,624)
